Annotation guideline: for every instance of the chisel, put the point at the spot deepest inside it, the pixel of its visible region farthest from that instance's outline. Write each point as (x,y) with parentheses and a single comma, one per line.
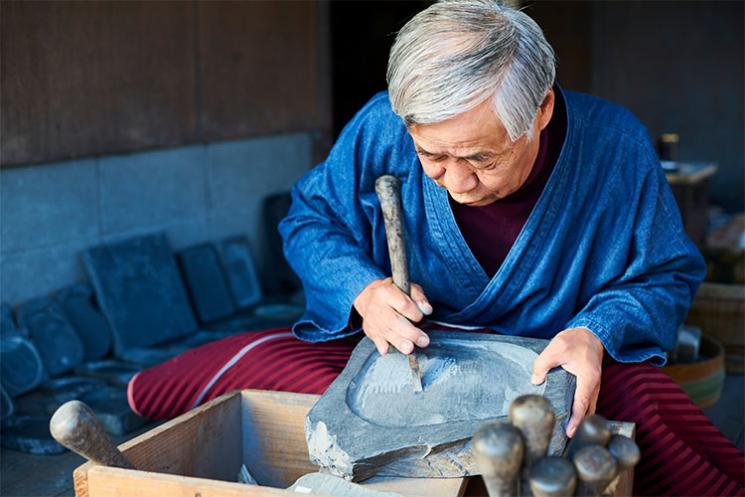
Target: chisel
(388,189)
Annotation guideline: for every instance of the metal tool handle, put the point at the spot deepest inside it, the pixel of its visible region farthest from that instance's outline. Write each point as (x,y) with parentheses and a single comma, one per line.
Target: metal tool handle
(75,426)
(388,189)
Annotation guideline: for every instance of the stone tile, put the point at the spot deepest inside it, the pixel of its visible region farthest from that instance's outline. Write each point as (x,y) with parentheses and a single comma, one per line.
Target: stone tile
(152,189)
(140,291)
(31,273)
(242,172)
(205,281)
(43,205)
(86,319)
(59,346)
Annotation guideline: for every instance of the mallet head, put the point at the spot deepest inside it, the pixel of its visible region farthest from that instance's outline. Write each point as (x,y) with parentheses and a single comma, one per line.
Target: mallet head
(552,477)
(533,416)
(498,450)
(596,468)
(592,430)
(76,427)
(624,450)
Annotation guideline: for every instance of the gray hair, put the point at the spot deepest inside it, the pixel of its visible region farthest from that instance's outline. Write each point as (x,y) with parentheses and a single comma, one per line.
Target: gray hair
(457,53)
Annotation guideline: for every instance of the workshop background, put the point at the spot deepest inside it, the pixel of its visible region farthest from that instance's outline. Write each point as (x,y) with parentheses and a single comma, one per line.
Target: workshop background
(122,120)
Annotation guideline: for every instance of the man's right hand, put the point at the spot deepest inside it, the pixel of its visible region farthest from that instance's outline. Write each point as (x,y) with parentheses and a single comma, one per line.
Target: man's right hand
(387,314)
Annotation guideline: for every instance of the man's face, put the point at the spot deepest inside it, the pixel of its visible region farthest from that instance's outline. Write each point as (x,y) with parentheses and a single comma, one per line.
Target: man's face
(472,157)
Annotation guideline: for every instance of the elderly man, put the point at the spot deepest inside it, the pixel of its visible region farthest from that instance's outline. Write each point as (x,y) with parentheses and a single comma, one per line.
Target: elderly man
(530,210)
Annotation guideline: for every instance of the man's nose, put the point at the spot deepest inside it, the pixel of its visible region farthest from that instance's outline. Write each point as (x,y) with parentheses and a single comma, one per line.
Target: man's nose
(459,178)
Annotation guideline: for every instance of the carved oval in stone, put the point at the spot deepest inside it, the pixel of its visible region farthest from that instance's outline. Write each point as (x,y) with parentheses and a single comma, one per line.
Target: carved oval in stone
(459,383)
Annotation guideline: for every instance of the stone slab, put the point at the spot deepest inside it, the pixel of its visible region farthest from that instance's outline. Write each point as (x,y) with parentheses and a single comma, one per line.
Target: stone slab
(370,421)
(21,367)
(146,357)
(278,276)
(240,271)
(112,408)
(87,321)
(150,356)
(52,334)
(53,393)
(111,371)
(138,287)
(206,283)
(29,434)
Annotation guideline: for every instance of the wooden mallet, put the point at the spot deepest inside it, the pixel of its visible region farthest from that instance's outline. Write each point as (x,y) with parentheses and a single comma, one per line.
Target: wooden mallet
(592,430)
(498,451)
(76,427)
(627,455)
(596,468)
(388,189)
(533,416)
(552,477)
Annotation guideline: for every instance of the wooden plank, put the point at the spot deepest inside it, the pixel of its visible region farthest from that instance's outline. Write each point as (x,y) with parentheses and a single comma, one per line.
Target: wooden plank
(274,428)
(274,447)
(259,68)
(196,443)
(115,482)
(83,78)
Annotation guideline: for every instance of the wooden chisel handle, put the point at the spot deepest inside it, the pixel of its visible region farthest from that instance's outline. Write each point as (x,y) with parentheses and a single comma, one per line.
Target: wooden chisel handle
(388,189)
(75,426)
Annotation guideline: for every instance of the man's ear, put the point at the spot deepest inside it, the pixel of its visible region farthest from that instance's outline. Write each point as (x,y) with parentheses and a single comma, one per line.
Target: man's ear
(546,110)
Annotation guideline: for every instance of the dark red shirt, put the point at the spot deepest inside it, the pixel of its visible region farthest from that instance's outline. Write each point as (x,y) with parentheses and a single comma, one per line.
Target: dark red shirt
(490,231)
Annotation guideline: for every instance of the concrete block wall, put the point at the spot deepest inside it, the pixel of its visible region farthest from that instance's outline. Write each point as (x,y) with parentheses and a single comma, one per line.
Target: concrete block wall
(50,212)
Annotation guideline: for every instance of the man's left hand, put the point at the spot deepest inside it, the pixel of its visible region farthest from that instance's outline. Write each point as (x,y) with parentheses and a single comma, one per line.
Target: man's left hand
(579,352)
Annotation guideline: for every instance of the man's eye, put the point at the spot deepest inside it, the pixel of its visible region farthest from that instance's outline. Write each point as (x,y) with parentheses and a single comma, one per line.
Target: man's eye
(484,165)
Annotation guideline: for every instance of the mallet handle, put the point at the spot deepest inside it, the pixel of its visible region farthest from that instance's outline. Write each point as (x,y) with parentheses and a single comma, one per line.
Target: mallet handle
(75,426)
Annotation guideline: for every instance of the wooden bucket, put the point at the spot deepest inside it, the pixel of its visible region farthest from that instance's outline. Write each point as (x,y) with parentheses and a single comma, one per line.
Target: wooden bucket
(719,310)
(701,380)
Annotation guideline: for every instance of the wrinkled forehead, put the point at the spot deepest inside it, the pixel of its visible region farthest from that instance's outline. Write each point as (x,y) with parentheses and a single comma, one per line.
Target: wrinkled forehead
(477,128)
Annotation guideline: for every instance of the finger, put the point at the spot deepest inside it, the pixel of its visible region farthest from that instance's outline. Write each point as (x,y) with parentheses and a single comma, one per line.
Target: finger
(402,303)
(399,330)
(547,360)
(582,397)
(409,332)
(402,334)
(417,295)
(594,401)
(381,344)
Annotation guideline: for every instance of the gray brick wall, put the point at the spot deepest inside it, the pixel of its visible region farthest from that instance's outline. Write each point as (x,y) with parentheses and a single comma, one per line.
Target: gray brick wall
(49,213)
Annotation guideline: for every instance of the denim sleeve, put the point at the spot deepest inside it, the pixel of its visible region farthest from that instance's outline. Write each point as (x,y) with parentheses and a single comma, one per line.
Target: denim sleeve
(636,314)
(327,234)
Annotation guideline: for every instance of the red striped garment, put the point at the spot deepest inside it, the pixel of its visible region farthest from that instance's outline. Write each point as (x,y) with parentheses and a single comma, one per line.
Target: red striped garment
(682,452)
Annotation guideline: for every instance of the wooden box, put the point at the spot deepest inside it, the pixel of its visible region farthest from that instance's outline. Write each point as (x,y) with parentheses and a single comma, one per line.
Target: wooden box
(200,453)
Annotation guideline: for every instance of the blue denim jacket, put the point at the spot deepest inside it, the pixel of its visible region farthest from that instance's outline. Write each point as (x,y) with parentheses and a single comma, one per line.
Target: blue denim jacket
(604,247)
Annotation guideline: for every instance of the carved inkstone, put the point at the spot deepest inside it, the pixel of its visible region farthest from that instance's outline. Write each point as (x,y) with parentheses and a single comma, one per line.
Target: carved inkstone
(371,422)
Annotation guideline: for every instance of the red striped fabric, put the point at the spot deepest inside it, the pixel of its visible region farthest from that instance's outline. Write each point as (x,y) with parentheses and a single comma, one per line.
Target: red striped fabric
(682,452)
